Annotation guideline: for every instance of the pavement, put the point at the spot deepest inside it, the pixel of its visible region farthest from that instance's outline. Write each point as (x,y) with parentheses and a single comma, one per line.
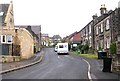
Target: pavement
(7,67)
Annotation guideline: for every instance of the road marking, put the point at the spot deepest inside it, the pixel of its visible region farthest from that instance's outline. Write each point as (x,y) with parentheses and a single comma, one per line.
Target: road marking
(89,76)
(58,56)
(69,57)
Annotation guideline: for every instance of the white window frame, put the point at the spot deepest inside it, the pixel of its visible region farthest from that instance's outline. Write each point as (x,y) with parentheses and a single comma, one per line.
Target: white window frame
(108,42)
(2,38)
(101,27)
(118,38)
(8,38)
(90,41)
(107,24)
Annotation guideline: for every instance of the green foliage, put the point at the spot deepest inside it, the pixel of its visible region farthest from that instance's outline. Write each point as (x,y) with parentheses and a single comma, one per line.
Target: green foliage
(85,48)
(63,40)
(113,48)
(80,47)
(69,46)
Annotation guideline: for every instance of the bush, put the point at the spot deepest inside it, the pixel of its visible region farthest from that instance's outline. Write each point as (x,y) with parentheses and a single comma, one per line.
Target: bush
(113,48)
(85,48)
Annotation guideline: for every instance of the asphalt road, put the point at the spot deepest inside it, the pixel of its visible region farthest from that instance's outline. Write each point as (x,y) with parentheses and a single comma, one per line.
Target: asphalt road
(56,66)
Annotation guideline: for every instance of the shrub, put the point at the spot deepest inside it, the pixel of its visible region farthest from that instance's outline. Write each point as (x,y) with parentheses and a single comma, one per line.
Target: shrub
(113,48)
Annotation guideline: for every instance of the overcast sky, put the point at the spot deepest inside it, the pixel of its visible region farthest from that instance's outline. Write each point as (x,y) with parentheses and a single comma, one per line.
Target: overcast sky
(61,17)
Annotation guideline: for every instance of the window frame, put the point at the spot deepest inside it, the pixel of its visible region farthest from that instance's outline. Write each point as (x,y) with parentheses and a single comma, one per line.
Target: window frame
(8,39)
(2,39)
(107,24)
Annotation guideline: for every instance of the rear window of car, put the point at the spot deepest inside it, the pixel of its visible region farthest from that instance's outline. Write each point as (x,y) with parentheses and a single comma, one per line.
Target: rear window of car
(60,46)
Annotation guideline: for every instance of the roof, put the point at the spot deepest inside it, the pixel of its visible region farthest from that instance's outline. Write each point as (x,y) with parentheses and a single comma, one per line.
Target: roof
(56,37)
(35,28)
(100,18)
(71,35)
(33,34)
(3,11)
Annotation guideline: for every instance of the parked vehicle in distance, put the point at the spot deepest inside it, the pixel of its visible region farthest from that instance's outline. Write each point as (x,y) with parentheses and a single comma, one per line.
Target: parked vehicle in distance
(62,48)
(55,49)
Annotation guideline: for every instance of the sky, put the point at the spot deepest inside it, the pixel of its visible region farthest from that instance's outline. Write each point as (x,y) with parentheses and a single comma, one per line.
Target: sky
(58,17)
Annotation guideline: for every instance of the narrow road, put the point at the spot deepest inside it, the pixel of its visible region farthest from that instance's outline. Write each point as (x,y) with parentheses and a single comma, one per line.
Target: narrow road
(56,66)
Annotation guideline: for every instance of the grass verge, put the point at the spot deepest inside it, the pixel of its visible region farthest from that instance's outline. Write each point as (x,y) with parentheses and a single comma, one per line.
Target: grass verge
(94,56)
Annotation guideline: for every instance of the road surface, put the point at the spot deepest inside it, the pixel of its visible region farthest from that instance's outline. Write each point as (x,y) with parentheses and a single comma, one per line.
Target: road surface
(56,66)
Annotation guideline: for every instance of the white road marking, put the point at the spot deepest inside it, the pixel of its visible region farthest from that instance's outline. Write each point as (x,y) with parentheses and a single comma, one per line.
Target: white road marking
(69,57)
(89,75)
(58,56)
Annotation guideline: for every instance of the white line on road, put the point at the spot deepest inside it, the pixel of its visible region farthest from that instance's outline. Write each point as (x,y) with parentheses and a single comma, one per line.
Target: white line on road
(89,76)
(69,57)
(58,56)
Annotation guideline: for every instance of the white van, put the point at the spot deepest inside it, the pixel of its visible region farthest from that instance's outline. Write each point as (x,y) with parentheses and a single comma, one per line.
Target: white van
(62,48)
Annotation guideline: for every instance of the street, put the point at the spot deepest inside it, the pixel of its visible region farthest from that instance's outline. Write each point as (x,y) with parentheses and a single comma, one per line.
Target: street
(55,66)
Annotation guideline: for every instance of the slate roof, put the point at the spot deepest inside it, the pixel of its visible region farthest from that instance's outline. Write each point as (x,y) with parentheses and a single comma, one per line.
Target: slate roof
(33,34)
(35,28)
(3,9)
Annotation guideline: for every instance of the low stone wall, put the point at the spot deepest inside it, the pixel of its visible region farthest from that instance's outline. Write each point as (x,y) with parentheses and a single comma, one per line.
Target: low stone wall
(4,59)
(115,64)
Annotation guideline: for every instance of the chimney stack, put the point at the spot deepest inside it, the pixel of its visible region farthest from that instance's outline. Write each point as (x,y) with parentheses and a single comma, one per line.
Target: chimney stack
(119,4)
(103,10)
(94,16)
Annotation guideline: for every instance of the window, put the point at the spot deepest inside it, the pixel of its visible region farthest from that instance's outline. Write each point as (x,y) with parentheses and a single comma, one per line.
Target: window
(118,38)
(107,24)
(60,46)
(90,39)
(89,28)
(108,42)
(101,28)
(9,38)
(3,38)
(1,13)
(97,30)
(0,38)
(10,20)
(102,44)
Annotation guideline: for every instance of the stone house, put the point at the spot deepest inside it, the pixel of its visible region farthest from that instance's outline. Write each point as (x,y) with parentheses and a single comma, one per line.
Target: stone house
(35,30)
(26,41)
(15,41)
(73,39)
(45,40)
(87,35)
(7,29)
